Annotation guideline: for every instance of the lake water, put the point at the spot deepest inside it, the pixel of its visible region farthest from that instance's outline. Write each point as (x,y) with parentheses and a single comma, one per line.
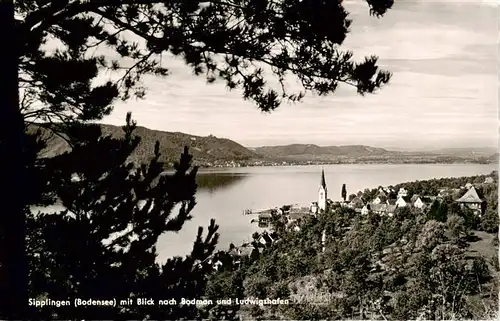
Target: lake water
(224,193)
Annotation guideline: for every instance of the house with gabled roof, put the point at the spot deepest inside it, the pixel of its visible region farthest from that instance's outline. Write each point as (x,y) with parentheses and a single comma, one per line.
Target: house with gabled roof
(422,201)
(402,192)
(489,180)
(443,192)
(471,200)
(387,190)
(295,216)
(381,192)
(237,253)
(378,208)
(264,219)
(380,199)
(266,239)
(403,201)
(357,202)
(382,209)
(314,207)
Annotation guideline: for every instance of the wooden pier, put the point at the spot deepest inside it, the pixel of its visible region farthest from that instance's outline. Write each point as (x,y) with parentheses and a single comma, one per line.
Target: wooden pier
(259,212)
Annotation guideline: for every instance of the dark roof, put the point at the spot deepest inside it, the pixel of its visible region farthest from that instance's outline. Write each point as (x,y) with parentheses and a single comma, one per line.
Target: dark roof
(378,207)
(244,250)
(357,199)
(297,215)
(382,193)
(382,198)
(391,208)
(391,201)
(323,181)
(266,238)
(415,197)
(406,199)
(427,199)
(470,196)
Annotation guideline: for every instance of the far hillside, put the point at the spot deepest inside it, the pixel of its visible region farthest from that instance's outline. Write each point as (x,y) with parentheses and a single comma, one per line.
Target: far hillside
(207,151)
(464,152)
(211,151)
(368,154)
(311,150)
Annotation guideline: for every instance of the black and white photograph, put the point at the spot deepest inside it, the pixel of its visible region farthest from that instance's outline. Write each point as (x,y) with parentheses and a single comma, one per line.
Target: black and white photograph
(249,160)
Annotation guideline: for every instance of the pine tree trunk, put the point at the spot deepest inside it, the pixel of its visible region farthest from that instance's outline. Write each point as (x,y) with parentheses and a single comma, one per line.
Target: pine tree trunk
(13,262)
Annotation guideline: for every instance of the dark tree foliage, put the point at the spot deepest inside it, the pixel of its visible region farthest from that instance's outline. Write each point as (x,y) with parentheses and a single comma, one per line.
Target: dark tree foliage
(225,285)
(370,195)
(243,43)
(402,213)
(407,266)
(13,175)
(228,40)
(438,211)
(489,219)
(433,186)
(103,246)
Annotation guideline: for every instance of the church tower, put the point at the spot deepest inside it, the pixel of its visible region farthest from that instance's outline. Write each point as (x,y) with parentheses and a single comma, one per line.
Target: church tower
(322,193)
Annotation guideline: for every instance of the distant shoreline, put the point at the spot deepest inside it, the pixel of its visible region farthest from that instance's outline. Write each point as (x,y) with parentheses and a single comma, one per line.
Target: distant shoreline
(344,163)
(214,152)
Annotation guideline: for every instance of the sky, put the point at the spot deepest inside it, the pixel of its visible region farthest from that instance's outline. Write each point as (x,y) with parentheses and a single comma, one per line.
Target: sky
(444,60)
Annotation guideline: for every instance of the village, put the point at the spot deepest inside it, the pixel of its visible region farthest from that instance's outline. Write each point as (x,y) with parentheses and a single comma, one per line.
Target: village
(385,203)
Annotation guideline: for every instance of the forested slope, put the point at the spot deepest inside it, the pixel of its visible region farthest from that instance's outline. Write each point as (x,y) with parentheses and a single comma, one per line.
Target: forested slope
(439,263)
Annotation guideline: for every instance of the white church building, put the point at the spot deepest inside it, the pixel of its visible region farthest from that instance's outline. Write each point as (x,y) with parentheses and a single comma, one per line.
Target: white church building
(321,205)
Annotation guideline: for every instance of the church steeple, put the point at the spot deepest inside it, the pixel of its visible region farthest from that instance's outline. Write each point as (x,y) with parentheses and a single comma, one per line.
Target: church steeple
(322,193)
(323,181)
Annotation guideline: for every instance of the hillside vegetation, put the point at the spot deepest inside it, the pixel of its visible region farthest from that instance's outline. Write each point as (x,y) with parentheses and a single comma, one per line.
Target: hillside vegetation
(368,154)
(211,151)
(440,263)
(314,150)
(207,151)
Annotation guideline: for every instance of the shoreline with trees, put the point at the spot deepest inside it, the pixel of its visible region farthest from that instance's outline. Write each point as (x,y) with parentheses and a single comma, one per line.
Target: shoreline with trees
(372,266)
(215,152)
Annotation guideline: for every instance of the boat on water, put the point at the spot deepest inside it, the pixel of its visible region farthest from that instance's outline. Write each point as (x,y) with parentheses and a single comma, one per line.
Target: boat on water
(263,223)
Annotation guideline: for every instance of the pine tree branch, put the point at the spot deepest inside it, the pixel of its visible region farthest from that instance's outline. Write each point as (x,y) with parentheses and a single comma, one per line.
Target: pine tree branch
(39,21)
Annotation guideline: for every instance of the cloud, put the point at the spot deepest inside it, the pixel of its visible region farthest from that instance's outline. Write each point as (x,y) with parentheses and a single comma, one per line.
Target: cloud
(443,91)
